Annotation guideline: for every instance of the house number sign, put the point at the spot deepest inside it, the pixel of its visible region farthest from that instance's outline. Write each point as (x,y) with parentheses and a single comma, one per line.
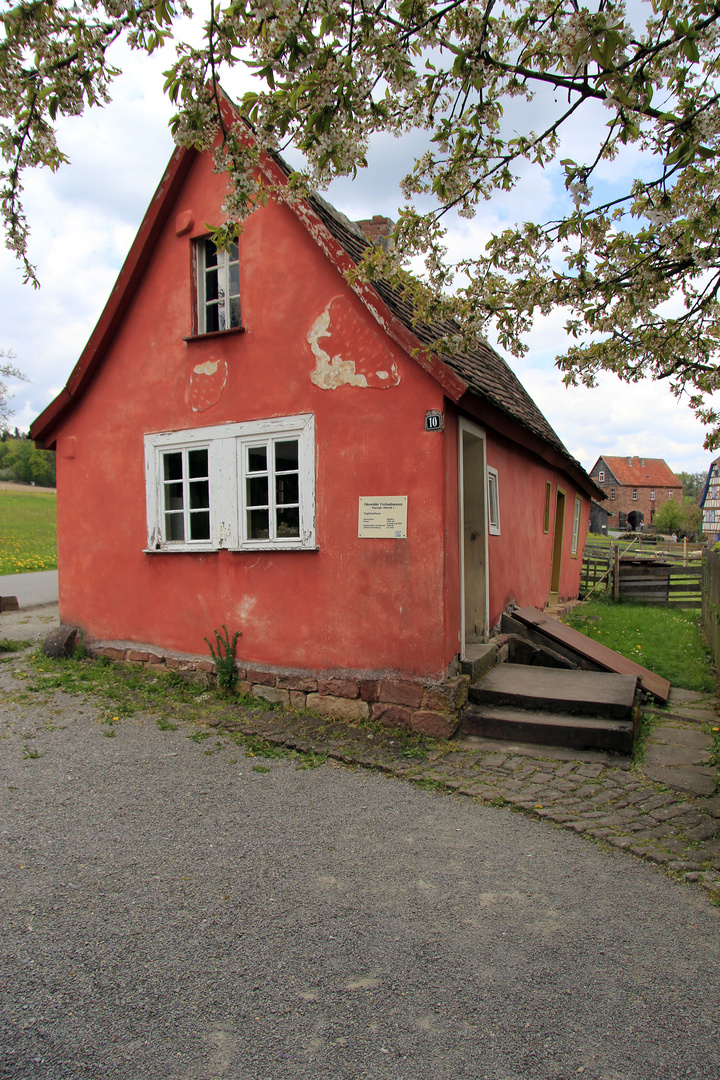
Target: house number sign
(434,420)
(384,517)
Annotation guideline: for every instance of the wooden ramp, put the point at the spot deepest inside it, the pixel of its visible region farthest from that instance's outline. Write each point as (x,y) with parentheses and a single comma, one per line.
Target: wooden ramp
(598,655)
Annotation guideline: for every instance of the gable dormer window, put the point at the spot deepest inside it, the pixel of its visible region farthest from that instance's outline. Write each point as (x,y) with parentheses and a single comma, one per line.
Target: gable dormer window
(218,287)
(601,476)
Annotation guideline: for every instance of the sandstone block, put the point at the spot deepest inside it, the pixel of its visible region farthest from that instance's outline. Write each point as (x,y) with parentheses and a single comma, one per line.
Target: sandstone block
(113,653)
(392,715)
(263,678)
(298,700)
(205,665)
(447,696)
(243,686)
(339,707)
(172,662)
(297,682)
(369,689)
(344,688)
(401,692)
(271,693)
(436,724)
(135,656)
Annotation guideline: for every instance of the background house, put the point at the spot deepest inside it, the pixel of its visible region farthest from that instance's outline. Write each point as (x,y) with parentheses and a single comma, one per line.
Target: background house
(710,502)
(285,453)
(635,485)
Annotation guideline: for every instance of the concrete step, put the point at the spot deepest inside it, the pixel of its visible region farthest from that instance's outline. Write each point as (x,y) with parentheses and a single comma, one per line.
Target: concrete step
(548,728)
(584,693)
(478,659)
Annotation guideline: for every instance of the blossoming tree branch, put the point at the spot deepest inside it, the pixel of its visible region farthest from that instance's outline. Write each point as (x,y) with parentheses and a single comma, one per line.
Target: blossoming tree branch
(637,274)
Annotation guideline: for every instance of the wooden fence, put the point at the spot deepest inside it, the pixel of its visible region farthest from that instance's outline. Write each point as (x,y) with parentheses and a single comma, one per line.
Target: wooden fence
(673,578)
(711,603)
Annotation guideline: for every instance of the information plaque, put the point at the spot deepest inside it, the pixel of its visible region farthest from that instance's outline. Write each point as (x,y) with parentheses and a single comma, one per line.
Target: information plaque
(383,516)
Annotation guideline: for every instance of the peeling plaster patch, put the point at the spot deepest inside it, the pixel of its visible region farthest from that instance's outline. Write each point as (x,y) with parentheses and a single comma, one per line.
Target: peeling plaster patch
(207,382)
(356,348)
(245,608)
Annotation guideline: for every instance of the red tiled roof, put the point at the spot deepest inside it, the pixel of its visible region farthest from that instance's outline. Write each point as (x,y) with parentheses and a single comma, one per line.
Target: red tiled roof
(642,472)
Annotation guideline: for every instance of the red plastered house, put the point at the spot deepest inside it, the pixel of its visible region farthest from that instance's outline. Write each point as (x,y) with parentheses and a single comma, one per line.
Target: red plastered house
(248,440)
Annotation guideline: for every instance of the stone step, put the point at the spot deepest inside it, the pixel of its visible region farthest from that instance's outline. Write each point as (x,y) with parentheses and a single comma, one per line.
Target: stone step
(585,693)
(548,728)
(478,659)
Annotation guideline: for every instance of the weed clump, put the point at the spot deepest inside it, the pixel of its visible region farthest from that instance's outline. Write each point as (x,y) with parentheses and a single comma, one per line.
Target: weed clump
(223,654)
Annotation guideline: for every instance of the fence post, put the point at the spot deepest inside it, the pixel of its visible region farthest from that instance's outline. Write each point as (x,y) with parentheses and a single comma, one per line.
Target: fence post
(616,574)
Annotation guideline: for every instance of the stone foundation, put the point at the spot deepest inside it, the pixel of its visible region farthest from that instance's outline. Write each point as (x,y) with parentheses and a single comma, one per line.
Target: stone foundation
(429,708)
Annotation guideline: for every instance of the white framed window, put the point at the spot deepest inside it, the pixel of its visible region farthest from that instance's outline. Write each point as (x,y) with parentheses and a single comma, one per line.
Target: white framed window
(576,527)
(652,494)
(601,476)
(670,496)
(247,486)
(612,494)
(634,494)
(218,287)
(493,502)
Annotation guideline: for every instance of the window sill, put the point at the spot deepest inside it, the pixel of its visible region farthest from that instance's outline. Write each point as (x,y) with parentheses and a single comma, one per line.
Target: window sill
(212,334)
(185,549)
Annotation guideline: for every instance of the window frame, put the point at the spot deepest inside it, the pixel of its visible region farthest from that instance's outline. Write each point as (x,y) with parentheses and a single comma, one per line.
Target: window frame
(548,503)
(612,494)
(577,514)
(201,305)
(652,494)
(493,501)
(670,496)
(227,497)
(601,476)
(634,494)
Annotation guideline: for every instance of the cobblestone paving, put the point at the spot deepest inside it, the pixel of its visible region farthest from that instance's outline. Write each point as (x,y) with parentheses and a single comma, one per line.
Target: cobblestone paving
(595,795)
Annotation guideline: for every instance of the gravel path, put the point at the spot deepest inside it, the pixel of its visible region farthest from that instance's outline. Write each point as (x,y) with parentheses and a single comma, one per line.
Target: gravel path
(168,912)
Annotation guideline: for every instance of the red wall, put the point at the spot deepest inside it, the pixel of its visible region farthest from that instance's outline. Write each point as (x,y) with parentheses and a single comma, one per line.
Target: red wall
(360,604)
(520,557)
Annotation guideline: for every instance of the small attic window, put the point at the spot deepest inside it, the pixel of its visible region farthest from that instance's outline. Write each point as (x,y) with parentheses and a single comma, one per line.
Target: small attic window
(218,287)
(493,502)
(601,476)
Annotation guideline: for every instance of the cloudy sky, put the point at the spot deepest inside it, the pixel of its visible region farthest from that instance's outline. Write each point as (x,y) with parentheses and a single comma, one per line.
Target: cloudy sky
(84,219)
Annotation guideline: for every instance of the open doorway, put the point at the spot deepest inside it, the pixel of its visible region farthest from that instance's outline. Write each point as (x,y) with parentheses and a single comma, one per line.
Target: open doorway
(472,482)
(557,545)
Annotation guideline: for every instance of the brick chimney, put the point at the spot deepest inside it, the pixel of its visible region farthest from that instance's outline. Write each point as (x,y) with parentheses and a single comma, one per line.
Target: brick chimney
(377,228)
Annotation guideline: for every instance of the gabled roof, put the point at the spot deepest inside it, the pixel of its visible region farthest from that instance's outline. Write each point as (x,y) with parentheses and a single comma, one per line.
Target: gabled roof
(641,472)
(481,373)
(714,464)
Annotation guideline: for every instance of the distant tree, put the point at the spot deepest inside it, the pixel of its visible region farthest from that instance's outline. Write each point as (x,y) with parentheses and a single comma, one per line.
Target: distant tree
(693,483)
(22,462)
(669,518)
(7,371)
(692,523)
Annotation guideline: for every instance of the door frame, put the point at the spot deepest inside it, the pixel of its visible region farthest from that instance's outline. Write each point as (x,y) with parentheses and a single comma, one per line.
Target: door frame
(557,540)
(472,432)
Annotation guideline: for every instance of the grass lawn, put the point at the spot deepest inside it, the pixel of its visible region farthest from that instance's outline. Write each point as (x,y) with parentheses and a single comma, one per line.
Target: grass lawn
(28,536)
(667,641)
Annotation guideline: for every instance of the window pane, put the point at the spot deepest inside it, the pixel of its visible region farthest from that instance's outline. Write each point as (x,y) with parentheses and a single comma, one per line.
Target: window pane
(257,459)
(174,527)
(173,496)
(286,455)
(234,284)
(200,525)
(212,323)
(211,285)
(235,312)
(233,253)
(258,524)
(199,495)
(221,317)
(172,466)
(210,253)
(288,522)
(197,463)
(287,489)
(257,491)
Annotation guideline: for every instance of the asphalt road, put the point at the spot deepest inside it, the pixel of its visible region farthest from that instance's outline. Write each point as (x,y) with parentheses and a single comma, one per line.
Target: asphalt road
(169,912)
(31,590)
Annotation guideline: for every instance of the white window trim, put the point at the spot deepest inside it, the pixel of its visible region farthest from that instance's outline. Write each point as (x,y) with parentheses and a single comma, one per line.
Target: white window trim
(576,527)
(223,269)
(601,476)
(634,494)
(224,443)
(493,502)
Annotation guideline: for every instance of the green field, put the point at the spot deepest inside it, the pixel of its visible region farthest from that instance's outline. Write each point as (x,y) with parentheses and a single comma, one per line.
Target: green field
(665,640)
(28,534)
